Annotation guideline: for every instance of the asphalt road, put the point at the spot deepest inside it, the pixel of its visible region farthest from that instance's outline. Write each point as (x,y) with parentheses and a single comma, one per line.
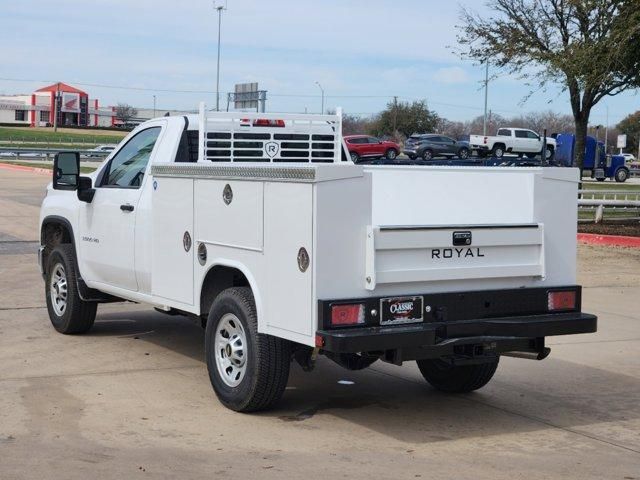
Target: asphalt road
(132,399)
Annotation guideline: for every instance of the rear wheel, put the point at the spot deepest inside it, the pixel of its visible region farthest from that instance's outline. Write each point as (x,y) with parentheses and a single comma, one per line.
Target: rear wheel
(354,157)
(67,311)
(427,155)
(463,153)
(248,370)
(457,378)
(498,151)
(391,154)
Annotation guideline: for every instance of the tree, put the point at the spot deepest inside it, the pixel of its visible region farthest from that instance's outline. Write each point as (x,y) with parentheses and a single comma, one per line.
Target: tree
(405,118)
(630,125)
(587,46)
(125,112)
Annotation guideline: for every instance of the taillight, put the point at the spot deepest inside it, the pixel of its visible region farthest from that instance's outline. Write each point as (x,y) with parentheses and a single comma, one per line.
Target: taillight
(352,314)
(263,122)
(485,140)
(562,300)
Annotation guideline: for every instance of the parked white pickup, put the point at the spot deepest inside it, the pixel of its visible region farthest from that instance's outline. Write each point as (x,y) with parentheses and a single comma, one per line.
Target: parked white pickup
(512,140)
(259,226)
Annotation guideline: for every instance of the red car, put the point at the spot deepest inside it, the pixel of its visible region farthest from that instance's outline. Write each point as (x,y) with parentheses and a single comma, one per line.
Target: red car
(364,146)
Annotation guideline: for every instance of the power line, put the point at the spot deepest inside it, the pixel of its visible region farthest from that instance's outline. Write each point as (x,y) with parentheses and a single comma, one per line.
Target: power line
(278,95)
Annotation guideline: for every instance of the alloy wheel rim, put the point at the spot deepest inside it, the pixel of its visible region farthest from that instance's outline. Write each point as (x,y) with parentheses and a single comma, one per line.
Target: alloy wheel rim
(59,289)
(231,353)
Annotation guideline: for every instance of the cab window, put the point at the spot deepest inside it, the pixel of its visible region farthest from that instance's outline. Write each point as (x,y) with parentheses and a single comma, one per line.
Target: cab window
(127,167)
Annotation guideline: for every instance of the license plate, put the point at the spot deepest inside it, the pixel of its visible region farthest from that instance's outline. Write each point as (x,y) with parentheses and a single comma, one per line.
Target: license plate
(399,310)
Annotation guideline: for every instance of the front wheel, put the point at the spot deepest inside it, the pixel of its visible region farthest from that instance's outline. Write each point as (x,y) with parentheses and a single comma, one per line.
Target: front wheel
(457,378)
(248,370)
(621,175)
(354,157)
(463,153)
(67,311)
(391,154)
(427,155)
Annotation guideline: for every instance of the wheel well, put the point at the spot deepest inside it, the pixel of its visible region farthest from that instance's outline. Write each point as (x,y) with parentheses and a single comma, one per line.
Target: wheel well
(54,233)
(495,145)
(218,278)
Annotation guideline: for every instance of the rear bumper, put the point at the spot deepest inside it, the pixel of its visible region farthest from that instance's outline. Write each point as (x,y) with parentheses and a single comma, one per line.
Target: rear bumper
(507,319)
(465,332)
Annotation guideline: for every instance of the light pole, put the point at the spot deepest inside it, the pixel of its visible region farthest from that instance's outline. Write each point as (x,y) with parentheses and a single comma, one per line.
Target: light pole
(154,106)
(219,8)
(322,90)
(486,95)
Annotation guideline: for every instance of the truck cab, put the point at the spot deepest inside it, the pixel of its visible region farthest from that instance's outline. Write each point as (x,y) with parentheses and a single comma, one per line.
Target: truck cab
(259,227)
(596,163)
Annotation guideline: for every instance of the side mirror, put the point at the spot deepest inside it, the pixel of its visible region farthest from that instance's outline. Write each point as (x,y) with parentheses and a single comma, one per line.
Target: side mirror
(85,192)
(66,171)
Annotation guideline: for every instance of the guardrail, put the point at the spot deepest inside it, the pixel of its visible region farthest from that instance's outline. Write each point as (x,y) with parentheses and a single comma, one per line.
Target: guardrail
(49,152)
(616,204)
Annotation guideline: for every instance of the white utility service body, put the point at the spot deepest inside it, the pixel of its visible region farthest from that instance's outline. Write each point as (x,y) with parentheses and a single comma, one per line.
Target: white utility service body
(272,204)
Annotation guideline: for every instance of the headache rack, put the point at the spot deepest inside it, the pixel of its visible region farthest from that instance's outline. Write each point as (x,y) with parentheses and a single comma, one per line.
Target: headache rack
(269,137)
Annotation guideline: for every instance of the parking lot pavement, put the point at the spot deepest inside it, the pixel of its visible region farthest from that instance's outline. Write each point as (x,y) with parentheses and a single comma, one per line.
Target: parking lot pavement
(132,397)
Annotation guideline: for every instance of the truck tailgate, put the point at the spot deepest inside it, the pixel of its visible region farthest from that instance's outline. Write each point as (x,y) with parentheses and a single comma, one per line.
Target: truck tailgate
(437,224)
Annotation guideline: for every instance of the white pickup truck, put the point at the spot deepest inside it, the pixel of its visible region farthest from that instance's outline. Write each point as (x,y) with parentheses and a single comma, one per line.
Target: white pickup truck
(258,226)
(512,140)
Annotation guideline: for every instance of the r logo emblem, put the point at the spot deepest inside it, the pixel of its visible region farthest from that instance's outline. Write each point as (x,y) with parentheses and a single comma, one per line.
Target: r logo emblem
(271,149)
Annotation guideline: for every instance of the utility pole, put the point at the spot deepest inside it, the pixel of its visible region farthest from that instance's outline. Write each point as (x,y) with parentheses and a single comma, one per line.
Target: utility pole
(395,114)
(154,106)
(486,96)
(219,8)
(322,90)
(606,133)
(55,108)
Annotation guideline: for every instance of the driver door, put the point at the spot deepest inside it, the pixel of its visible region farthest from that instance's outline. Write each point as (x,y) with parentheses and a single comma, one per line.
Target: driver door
(107,224)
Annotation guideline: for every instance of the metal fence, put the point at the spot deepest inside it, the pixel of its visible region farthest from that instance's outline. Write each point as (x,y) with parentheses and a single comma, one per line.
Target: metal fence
(594,205)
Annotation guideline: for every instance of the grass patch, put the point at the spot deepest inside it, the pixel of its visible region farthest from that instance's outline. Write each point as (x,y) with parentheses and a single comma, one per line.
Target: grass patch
(609,185)
(48,166)
(42,135)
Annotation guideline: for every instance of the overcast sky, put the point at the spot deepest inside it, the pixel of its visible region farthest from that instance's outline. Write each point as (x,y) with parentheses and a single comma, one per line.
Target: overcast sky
(362,53)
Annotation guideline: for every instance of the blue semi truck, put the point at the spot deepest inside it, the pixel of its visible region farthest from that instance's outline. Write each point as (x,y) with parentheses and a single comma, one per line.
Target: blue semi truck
(597,164)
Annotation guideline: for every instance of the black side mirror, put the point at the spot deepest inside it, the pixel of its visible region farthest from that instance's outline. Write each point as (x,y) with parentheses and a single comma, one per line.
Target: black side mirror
(85,192)
(66,171)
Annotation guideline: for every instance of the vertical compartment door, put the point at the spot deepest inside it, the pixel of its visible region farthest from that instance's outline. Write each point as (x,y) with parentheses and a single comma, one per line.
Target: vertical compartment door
(288,225)
(172,270)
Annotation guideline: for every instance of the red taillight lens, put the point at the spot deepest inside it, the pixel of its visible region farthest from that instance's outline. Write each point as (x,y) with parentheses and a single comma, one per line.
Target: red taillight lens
(347,314)
(263,122)
(562,300)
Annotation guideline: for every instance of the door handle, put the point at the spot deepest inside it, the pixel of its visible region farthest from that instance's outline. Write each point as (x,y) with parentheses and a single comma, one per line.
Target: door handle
(126,207)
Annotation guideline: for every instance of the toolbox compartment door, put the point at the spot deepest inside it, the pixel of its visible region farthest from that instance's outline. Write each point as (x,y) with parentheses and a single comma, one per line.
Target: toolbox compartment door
(397,254)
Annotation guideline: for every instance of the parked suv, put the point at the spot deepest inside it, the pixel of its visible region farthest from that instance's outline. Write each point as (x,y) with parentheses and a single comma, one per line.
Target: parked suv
(428,146)
(364,146)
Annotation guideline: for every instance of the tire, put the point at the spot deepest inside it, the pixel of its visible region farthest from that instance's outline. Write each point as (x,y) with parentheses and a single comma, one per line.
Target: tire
(621,175)
(67,311)
(550,154)
(255,373)
(391,154)
(463,153)
(354,157)
(498,151)
(459,378)
(427,155)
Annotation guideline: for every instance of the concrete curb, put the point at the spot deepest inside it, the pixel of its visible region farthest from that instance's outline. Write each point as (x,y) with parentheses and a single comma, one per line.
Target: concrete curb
(23,168)
(609,240)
